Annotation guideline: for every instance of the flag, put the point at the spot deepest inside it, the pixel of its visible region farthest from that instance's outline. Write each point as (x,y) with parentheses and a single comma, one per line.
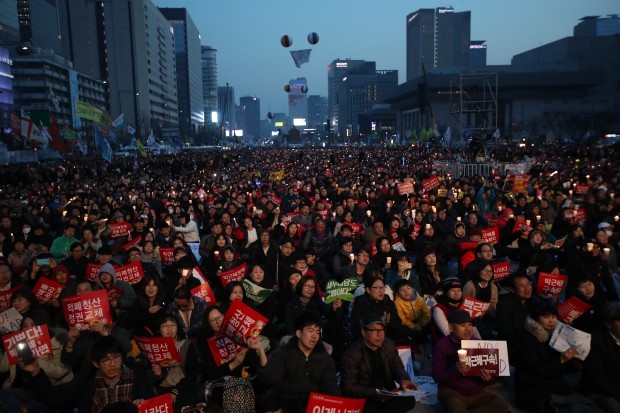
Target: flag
(106,151)
(37,135)
(97,136)
(131,130)
(496,135)
(54,100)
(82,146)
(447,136)
(118,122)
(141,149)
(111,136)
(301,56)
(68,134)
(45,133)
(56,138)
(26,125)
(150,141)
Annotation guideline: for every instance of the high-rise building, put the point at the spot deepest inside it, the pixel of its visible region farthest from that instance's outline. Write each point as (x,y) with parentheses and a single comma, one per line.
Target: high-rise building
(477,53)
(598,26)
(187,52)
(128,45)
(249,108)
(9,24)
(226,107)
(317,111)
(298,102)
(353,92)
(209,83)
(437,38)
(39,23)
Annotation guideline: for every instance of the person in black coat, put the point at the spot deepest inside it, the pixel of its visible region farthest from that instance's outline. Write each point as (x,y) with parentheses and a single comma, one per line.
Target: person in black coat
(512,310)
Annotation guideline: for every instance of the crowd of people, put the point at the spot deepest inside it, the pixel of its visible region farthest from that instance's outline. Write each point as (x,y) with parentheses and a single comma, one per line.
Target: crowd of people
(298,220)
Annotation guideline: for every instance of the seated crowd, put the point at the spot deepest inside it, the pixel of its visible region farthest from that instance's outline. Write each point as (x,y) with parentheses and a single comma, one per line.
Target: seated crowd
(297,226)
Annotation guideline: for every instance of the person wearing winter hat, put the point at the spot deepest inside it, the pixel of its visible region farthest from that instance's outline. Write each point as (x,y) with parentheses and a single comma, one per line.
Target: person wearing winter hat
(447,303)
(120,294)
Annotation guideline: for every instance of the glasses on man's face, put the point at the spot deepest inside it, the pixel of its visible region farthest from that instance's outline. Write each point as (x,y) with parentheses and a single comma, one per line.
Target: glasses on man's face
(382,288)
(111,359)
(376,331)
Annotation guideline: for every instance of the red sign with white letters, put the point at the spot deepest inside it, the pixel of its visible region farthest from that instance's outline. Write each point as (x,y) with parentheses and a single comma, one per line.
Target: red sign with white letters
(241,322)
(159,350)
(120,229)
(83,310)
(322,403)
(551,284)
(222,348)
(47,289)
(130,273)
(475,308)
(571,309)
(236,274)
(37,338)
(159,404)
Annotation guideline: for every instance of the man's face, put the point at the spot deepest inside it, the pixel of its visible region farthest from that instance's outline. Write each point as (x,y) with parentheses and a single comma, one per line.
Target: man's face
(462,331)
(374,336)
(70,232)
(5,275)
(301,265)
(287,249)
(308,337)
(378,228)
(110,366)
(320,226)
(363,258)
(523,288)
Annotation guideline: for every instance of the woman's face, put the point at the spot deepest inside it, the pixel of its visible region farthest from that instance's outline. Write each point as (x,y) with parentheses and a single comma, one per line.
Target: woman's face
(168,329)
(385,245)
(430,259)
(248,223)
(236,293)
(28,323)
(148,247)
(215,320)
(257,275)
(177,243)
(292,229)
(486,273)
(455,294)
(151,289)
(548,321)
(537,238)
(586,289)
(61,276)
(87,234)
(229,256)
(376,290)
(308,289)
(21,304)
(601,237)
(348,217)
(220,241)
(293,279)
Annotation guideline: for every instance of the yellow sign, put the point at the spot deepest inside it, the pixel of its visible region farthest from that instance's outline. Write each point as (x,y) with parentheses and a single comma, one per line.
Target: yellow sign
(86,111)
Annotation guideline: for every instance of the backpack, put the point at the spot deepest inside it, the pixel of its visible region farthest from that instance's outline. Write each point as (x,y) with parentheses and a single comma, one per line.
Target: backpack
(238,396)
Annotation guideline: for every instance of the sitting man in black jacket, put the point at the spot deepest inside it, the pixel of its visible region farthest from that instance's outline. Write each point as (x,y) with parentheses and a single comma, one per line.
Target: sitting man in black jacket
(371,364)
(299,367)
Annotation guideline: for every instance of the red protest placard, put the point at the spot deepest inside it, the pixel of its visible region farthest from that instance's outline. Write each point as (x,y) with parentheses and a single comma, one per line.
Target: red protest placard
(490,235)
(580,215)
(82,310)
(92,271)
(520,183)
(501,269)
(357,228)
(197,274)
(415,231)
(159,404)
(205,292)
(47,289)
(166,255)
(5,298)
(551,284)
(492,220)
(572,308)
(133,243)
(479,359)
(406,188)
(241,322)
(114,293)
(159,350)
(323,403)
(430,183)
(222,348)
(130,273)
(120,229)
(37,337)
(581,189)
(236,274)
(475,308)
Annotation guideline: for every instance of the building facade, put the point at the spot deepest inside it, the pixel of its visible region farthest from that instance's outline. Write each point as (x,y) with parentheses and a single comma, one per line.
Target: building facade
(209,84)
(39,24)
(437,38)
(187,52)
(298,102)
(249,111)
(317,112)
(226,105)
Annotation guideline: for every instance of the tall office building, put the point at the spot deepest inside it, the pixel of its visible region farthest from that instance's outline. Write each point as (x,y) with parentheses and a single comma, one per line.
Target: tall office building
(598,26)
(9,24)
(129,45)
(317,111)
(298,102)
(226,106)
(39,23)
(209,84)
(355,91)
(437,38)
(477,53)
(249,108)
(335,73)
(187,52)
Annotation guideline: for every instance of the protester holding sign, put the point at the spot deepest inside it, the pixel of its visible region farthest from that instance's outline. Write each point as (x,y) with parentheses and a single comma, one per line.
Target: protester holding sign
(108,382)
(181,380)
(189,308)
(27,304)
(589,292)
(121,295)
(541,369)
(306,299)
(450,300)
(149,305)
(457,391)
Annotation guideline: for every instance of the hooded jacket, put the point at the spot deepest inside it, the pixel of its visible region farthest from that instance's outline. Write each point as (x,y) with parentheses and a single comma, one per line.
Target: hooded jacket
(128,295)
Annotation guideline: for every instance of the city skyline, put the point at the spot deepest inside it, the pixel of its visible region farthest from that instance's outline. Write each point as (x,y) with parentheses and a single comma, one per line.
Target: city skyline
(248,33)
